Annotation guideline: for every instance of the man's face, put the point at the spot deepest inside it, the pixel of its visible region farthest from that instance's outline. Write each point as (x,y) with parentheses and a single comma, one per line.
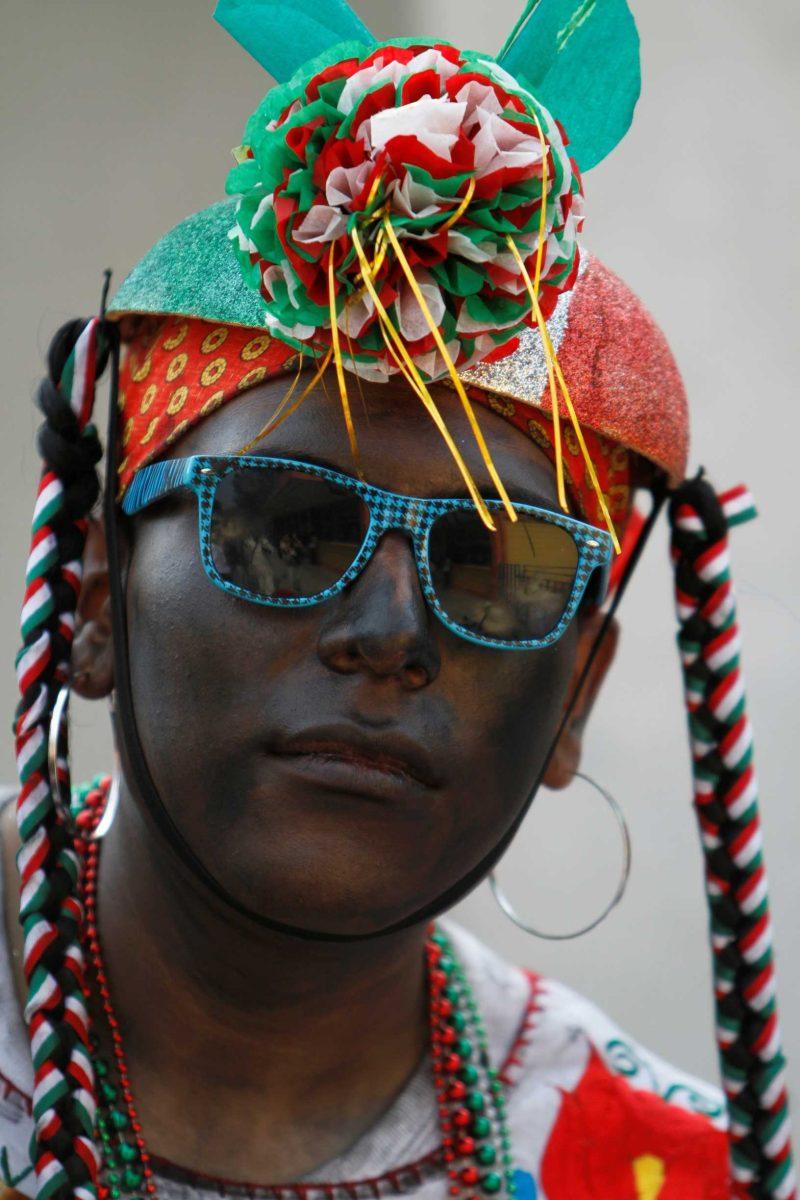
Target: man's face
(339,766)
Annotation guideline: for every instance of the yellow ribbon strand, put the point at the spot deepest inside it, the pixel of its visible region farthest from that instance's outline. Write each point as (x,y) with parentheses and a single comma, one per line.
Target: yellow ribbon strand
(337,358)
(553,365)
(402,368)
(418,384)
(576,425)
(381,250)
(286,399)
(551,375)
(282,412)
(352,354)
(552,359)
(462,208)
(451,368)
(323,380)
(533,292)
(543,209)
(373,191)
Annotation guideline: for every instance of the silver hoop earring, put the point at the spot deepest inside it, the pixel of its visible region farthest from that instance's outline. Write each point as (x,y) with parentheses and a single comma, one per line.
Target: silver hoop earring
(58,731)
(511,912)
(110,810)
(59,728)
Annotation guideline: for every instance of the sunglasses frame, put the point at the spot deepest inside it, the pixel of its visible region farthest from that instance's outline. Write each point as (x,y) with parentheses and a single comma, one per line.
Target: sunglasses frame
(414,515)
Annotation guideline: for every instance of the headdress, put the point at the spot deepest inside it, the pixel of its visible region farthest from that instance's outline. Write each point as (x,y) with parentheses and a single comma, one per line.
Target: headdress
(402,208)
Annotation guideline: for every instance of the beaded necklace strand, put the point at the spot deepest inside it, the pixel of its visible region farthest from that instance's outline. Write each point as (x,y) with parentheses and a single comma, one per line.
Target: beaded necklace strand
(476,1147)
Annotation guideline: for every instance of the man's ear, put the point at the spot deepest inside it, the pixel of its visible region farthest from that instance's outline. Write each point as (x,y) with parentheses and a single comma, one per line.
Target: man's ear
(92,668)
(566,757)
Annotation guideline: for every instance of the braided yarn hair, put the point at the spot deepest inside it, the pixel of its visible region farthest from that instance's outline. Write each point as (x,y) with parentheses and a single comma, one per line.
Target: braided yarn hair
(726,803)
(63,1148)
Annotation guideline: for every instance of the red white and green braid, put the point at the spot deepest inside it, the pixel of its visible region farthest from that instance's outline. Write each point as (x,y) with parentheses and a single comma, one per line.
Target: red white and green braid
(726,802)
(63,1148)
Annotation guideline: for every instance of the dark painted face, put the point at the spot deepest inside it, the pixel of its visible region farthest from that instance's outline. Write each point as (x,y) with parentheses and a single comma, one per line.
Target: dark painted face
(337,767)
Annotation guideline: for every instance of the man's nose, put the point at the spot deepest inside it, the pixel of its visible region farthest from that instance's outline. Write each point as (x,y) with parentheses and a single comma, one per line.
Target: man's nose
(381,624)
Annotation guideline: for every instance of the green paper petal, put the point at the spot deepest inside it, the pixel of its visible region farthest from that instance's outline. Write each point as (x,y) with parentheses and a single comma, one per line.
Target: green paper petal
(283,35)
(456,276)
(580,59)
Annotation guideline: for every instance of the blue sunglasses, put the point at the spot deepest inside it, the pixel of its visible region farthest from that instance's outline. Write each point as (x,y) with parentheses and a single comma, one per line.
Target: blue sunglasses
(289,534)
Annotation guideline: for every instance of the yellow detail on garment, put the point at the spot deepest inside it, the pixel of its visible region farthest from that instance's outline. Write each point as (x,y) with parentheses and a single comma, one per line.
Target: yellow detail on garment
(649,1176)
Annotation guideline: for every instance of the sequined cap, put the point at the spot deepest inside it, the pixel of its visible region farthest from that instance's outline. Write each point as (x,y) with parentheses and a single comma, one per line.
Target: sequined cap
(622,375)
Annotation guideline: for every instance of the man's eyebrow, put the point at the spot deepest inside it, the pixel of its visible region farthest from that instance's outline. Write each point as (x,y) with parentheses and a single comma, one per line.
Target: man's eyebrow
(522,494)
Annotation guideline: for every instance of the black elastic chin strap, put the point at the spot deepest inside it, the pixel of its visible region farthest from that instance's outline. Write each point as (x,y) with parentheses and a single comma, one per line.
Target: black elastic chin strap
(138,773)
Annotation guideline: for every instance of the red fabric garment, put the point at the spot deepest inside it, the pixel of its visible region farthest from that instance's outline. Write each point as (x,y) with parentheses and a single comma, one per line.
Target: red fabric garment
(611,1140)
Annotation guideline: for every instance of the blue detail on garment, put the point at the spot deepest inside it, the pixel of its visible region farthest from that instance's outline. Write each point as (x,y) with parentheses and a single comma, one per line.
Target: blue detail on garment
(524,1186)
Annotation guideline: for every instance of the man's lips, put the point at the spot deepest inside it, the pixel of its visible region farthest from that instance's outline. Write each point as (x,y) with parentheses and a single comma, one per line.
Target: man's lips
(390,754)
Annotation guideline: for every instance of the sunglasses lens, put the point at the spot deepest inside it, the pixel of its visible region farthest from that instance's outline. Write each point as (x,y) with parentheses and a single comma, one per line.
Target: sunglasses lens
(513,585)
(284,534)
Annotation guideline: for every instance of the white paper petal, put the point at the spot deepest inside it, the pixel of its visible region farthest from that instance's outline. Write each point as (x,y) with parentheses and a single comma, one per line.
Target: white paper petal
(478,95)
(479,252)
(435,123)
(411,320)
(433,365)
(355,316)
(413,199)
(498,144)
(303,333)
(321,224)
(345,183)
(282,270)
(465,323)
(376,371)
(377,73)
(431,59)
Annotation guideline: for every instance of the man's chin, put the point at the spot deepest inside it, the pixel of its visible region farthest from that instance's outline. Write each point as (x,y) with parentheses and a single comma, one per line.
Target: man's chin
(334,907)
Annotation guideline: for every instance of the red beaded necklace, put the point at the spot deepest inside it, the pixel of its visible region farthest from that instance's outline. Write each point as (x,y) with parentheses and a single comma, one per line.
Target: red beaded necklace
(476,1148)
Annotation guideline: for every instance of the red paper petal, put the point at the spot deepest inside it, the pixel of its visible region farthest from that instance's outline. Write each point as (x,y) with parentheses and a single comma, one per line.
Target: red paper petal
(424,83)
(340,70)
(407,149)
(374,102)
(298,137)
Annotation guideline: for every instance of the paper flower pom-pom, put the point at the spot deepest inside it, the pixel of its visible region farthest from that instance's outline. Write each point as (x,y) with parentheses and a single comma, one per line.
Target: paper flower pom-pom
(402,189)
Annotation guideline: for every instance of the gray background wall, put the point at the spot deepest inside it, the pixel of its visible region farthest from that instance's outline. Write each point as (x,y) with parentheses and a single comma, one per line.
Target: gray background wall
(118,119)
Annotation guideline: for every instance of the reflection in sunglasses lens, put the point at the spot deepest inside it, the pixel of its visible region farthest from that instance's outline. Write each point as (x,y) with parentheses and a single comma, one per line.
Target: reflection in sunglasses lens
(284,534)
(513,584)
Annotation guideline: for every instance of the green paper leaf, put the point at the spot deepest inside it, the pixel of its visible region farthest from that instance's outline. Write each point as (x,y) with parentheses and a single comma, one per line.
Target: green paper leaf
(580,58)
(282,35)
(458,277)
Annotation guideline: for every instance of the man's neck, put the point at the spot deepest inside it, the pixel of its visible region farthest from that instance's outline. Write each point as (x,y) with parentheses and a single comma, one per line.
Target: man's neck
(253,1055)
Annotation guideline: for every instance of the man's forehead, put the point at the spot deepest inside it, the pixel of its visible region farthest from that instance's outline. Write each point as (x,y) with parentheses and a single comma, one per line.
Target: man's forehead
(399,445)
